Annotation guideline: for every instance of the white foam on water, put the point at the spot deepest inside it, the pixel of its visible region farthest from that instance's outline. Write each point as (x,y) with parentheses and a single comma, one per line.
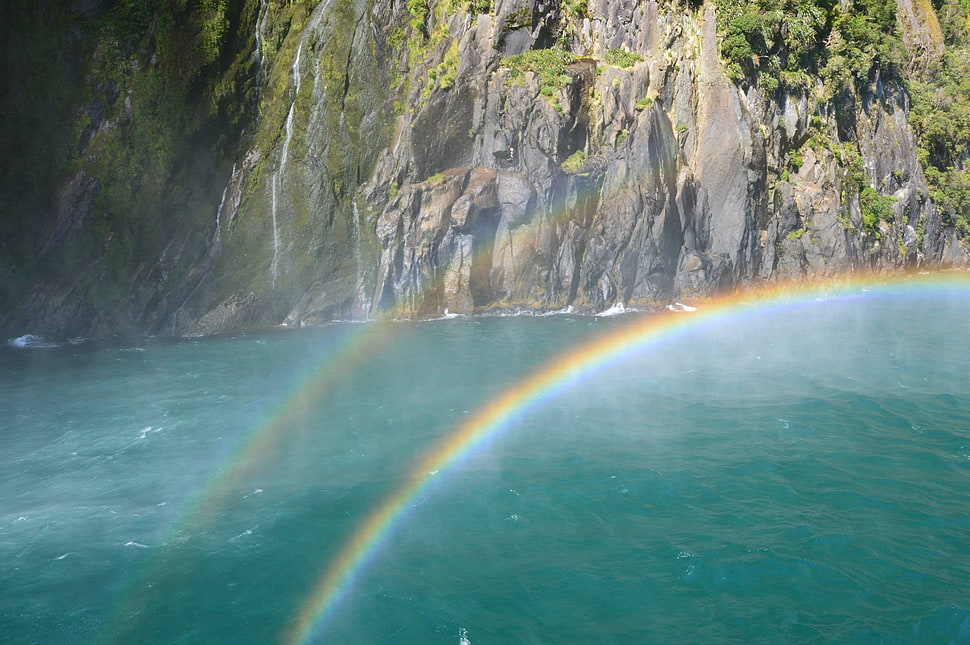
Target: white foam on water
(30,341)
(136,544)
(463,637)
(147,431)
(680,307)
(241,535)
(565,311)
(615,310)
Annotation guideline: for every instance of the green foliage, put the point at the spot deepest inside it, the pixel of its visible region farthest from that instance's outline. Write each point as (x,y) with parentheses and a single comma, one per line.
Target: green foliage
(448,68)
(950,190)
(140,96)
(901,247)
(518,18)
(863,38)
(467,6)
(646,101)
(213,24)
(573,12)
(796,234)
(397,38)
(622,58)
(786,43)
(443,75)
(574,163)
(940,116)
(575,9)
(875,208)
(549,64)
(418,10)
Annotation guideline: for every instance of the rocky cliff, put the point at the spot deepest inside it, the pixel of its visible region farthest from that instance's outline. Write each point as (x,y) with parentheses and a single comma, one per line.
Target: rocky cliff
(298,162)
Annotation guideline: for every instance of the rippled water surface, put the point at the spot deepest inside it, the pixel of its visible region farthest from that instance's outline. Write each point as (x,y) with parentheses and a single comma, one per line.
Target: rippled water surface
(793,473)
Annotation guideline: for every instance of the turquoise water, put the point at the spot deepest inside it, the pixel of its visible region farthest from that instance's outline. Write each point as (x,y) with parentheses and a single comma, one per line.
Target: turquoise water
(797,474)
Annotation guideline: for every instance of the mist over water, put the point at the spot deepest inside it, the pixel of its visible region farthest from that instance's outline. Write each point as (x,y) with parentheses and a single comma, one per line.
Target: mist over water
(794,474)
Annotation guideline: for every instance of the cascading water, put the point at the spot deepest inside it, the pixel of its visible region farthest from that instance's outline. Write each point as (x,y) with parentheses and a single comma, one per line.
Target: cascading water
(217,236)
(279,179)
(358,261)
(274,265)
(278,176)
(260,27)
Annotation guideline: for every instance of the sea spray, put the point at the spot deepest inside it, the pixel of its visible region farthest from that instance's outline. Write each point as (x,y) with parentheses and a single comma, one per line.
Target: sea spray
(716,486)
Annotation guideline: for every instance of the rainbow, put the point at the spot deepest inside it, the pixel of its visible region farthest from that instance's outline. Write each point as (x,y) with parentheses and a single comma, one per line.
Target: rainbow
(499,414)
(254,448)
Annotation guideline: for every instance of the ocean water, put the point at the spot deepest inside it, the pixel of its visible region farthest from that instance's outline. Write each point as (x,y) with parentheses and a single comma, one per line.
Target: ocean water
(794,472)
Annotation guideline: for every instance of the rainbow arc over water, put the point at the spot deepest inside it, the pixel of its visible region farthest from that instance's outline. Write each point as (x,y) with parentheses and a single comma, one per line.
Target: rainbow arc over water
(499,414)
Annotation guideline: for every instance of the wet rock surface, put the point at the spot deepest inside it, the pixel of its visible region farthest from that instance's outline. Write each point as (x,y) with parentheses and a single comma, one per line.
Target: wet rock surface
(403,170)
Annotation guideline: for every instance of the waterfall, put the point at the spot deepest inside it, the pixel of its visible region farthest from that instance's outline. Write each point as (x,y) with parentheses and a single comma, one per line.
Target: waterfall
(280,173)
(278,178)
(217,238)
(289,117)
(274,265)
(260,26)
(358,278)
(296,70)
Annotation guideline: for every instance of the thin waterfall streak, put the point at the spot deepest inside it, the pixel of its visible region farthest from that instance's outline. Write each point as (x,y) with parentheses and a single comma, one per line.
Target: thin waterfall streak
(279,176)
(260,26)
(287,139)
(274,265)
(296,71)
(358,278)
(217,238)
(281,172)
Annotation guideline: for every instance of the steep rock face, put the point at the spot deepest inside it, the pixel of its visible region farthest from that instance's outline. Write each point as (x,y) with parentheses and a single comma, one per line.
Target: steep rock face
(122,116)
(684,190)
(410,159)
(296,247)
(613,230)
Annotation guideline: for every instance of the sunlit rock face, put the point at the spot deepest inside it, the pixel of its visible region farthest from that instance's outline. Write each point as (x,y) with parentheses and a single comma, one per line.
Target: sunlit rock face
(357,159)
(679,190)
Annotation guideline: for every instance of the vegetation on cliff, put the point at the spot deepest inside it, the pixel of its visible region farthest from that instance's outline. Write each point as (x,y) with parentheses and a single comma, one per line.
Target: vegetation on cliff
(835,50)
(941,117)
(128,118)
(792,43)
(140,99)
